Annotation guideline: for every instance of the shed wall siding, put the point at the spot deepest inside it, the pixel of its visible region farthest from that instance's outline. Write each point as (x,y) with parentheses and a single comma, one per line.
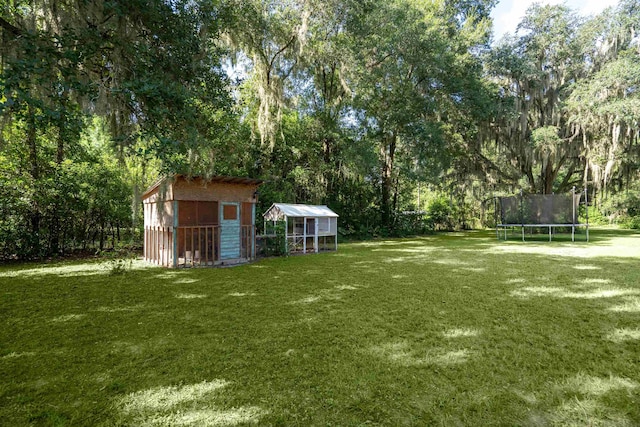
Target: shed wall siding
(163,192)
(158,214)
(213,191)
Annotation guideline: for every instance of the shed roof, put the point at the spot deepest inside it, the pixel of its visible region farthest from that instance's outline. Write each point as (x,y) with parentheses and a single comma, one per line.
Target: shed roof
(222,179)
(298,210)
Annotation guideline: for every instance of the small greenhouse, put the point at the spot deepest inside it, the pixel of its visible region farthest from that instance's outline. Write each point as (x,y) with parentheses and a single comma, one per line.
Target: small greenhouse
(308,228)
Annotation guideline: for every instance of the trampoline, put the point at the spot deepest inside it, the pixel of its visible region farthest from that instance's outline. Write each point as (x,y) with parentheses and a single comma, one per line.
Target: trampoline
(541,211)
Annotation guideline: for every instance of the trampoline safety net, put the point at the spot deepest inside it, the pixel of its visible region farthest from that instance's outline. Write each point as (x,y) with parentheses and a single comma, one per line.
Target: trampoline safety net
(540,209)
(532,211)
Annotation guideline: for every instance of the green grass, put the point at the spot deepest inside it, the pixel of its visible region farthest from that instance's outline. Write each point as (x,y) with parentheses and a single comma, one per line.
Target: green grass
(452,329)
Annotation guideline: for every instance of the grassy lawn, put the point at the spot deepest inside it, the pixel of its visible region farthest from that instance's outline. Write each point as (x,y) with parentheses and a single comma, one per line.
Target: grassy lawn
(452,329)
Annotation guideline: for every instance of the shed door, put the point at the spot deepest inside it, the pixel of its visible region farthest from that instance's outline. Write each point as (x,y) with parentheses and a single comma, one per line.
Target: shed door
(229,231)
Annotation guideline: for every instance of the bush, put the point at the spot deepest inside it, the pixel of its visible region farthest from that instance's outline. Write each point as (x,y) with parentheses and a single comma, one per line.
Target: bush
(412,223)
(273,242)
(622,208)
(120,259)
(441,214)
(631,222)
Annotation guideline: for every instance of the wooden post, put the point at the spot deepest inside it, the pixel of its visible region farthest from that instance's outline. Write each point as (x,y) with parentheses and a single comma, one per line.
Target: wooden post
(175,234)
(197,254)
(286,234)
(155,245)
(304,234)
(315,234)
(192,254)
(253,231)
(185,246)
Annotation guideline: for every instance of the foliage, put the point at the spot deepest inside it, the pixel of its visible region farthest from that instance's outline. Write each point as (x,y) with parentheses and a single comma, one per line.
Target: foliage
(412,223)
(274,239)
(558,56)
(78,202)
(119,260)
(144,68)
(353,104)
(441,213)
(622,208)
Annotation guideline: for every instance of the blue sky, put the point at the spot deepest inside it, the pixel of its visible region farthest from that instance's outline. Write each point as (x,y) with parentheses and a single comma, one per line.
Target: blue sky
(508,13)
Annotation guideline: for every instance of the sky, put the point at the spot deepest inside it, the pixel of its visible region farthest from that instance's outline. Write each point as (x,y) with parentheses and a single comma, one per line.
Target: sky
(508,13)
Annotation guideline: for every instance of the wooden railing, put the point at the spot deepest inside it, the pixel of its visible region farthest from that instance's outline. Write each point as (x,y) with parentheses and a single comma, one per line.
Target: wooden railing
(195,245)
(247,241)
(158,245)
(295,242)
(198,245)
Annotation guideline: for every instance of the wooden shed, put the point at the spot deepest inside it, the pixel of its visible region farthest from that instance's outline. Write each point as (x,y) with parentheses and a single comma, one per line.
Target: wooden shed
(197,222)
(308,228)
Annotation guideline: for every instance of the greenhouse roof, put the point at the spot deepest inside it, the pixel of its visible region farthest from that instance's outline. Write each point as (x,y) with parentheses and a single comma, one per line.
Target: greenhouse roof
(298,210)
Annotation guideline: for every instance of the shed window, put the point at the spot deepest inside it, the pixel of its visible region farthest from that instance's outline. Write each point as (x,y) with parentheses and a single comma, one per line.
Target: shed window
(311,226)
(187,213)
(197,213)
(229,212)
(207,213)
(323,225)
(247,213)
(296,226)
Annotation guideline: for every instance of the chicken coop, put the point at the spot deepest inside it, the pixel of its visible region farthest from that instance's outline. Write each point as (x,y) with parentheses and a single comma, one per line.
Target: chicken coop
(308,228)
(200,222)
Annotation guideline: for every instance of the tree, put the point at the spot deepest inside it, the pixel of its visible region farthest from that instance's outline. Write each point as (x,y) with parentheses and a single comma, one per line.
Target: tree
(415,76)
(605,107)
(535,73)
(150,68)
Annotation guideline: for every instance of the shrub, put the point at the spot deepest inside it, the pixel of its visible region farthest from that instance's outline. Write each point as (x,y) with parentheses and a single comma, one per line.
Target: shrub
(441,214)
(120,259)
(273,242)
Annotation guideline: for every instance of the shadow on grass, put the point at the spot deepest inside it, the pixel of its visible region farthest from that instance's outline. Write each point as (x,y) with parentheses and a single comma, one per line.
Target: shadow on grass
(443,330)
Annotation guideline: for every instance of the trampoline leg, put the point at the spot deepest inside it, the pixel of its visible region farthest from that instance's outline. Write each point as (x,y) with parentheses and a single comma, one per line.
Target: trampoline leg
(573,233)
(523,234)
(549,233)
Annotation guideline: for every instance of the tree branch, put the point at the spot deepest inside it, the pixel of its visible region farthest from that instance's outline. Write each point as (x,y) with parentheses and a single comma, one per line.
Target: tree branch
(285,47)
(10,27)
(380,61)
(492,166)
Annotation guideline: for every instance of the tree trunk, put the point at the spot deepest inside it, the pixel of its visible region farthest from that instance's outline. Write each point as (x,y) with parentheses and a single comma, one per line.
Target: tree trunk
(395,199)
(55,220)
(549,178)
(388,149)
(102,236)
(35,175)
(327,148)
